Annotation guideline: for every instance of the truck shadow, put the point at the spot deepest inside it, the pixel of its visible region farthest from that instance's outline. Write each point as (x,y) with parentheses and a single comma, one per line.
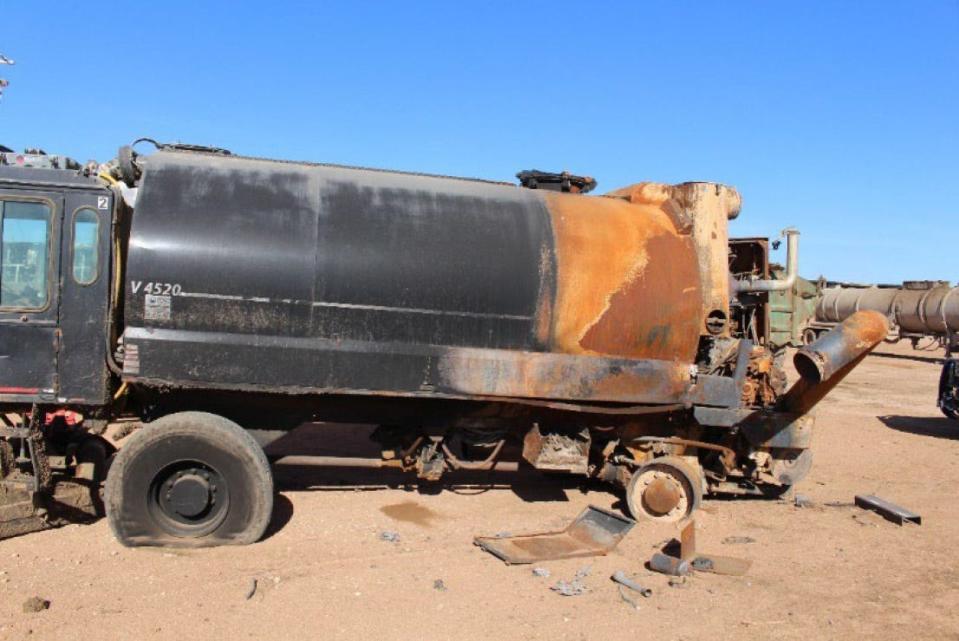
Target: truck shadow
(345,440)
(936,426)
(938,360)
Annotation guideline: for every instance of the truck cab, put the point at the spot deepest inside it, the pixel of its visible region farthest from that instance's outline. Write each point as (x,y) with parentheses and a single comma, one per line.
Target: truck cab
(55,274)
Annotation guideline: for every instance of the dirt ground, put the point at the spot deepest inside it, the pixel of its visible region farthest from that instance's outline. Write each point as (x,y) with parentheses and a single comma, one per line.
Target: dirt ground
(820,572)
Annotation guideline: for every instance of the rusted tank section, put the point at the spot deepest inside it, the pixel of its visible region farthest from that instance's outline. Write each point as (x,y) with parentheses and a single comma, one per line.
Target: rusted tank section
(703,211)
(916,308)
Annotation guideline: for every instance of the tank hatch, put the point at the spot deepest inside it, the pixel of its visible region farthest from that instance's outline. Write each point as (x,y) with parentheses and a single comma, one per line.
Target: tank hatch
(563,181)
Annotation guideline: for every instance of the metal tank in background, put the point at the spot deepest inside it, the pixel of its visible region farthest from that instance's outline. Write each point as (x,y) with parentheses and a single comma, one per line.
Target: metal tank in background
(917,309)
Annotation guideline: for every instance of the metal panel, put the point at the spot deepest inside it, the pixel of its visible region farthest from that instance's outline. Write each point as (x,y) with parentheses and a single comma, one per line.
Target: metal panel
(83,317)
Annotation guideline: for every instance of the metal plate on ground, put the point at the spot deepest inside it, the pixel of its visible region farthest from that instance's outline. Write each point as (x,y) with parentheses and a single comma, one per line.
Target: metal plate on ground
(893,512)
(593,533)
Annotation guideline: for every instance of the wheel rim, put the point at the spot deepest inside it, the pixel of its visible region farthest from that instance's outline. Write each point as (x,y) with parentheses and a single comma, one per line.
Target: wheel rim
(189,498)
(660,493)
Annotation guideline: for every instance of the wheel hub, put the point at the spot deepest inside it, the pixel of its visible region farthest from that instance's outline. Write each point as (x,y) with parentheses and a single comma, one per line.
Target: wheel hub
(190,495)
(662,495)
(189,498)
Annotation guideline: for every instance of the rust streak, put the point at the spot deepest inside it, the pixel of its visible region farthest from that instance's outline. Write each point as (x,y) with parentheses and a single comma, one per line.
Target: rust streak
(627,281)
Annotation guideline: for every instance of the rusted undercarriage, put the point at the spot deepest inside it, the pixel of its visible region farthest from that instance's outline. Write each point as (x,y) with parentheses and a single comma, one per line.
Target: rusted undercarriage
(668,457)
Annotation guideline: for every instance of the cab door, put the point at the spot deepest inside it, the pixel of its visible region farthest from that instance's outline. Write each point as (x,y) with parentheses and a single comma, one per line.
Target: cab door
(29,294)
(85,296)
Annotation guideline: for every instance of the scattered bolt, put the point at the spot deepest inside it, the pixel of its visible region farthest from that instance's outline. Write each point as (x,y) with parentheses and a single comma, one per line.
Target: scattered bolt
(677,582)
(389,536)
(620,577)
(736,540)
(251,590)
(542,572)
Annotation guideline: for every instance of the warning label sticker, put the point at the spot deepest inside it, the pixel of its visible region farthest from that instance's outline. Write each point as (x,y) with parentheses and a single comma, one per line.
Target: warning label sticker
(156,307)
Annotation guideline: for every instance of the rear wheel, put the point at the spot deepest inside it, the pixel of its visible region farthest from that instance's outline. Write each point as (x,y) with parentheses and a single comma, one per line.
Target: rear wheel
(189,479)
(666,489)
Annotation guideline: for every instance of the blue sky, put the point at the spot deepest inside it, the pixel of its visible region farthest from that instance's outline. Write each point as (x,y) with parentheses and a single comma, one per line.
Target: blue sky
(839,118)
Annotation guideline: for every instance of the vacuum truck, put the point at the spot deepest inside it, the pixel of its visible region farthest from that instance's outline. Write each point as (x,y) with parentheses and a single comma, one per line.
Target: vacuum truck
(208,303)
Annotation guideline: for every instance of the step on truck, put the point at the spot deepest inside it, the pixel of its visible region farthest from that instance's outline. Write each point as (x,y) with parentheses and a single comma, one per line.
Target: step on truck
(206,303)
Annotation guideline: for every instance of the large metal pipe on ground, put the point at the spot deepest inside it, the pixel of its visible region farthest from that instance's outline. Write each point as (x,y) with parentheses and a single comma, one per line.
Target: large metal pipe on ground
(916,309)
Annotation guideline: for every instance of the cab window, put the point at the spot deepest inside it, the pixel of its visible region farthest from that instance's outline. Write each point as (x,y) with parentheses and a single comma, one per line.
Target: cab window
(86,235)
(24,247)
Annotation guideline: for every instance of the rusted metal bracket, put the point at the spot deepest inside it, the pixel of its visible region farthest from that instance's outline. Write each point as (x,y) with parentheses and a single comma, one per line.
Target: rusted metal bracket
(727,455)
(36,447)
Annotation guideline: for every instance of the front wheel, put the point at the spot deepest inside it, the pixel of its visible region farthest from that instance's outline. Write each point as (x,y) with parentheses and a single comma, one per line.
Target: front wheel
(666,489)
(189,479)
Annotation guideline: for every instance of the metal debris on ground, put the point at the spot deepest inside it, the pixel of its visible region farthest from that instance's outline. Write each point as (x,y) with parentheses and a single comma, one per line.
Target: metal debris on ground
(738,540)
(620,577)
(439,585)
(36,604)
(668,565)
(801,500)
(727,565)
(389,536)
(575,587)
(687,541)
(891,511)
(626,599)
(678,582)
(839,504)
(593,533)
(251,590)
(542,572)
(570,588)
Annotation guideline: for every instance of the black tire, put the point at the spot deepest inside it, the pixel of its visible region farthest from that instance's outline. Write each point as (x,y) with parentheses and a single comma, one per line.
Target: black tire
(189,479)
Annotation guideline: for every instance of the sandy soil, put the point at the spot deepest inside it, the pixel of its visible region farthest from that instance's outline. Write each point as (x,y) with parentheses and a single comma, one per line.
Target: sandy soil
(823,572)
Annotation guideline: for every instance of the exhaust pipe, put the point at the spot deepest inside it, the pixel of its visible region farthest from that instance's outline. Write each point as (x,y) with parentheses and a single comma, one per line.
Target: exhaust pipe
(825,362)
(773,285)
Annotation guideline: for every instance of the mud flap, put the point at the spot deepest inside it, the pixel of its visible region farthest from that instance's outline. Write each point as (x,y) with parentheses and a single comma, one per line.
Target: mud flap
(595,532)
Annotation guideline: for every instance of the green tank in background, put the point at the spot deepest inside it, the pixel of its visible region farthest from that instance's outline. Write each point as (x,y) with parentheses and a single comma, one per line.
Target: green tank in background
(792,312)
